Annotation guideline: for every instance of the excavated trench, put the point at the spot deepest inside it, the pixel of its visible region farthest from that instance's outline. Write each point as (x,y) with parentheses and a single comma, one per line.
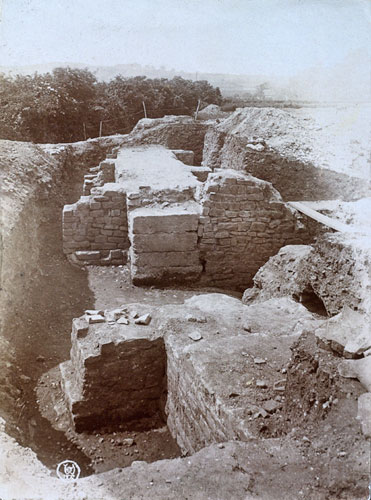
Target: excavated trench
(46,293)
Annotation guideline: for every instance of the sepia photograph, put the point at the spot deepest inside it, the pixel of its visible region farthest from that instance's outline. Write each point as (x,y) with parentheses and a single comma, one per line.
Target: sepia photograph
(185,250)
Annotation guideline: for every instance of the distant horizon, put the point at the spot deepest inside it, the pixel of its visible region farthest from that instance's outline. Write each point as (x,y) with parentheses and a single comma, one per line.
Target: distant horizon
(158,68)
(319,49)
(280,88)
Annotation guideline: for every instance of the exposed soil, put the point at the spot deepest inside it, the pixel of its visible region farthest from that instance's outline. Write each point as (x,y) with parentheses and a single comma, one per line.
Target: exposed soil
(111,287)
(333,454)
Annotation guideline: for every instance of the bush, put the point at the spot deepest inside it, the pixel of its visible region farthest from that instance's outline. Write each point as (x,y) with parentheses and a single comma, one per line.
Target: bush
(69,104)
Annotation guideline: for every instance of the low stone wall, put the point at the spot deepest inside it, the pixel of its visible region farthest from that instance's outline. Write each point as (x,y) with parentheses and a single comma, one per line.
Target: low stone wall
(173,132)
(116,374)
(103,174)
(95,227)
(295,180)
(243,222)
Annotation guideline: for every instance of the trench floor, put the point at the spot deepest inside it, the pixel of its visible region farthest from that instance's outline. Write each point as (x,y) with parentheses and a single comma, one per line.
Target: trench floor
(106,450)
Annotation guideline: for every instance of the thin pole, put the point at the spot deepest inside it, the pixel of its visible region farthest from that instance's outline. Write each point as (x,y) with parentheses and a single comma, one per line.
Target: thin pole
(100,128)
(84,131)
(198,107)
(144,108)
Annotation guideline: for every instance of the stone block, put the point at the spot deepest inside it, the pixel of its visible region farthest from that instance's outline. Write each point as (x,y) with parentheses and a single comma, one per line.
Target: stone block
(108,205)
(221,234)
(201,173)
(96,318)
(100,198)
(116,239)
(80,327)
(164,259)
(258,227)
(165,242)
(97,213)
(89,255)
(100,238)
(184,156)
(116,254)
(119,232)
(79,237)
(68,210)
(158,223)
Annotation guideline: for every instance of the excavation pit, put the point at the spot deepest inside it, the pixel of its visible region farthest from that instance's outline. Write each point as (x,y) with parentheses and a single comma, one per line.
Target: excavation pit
(225,370)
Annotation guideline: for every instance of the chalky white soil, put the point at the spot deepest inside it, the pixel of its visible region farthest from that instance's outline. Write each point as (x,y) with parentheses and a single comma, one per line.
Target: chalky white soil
(336,138)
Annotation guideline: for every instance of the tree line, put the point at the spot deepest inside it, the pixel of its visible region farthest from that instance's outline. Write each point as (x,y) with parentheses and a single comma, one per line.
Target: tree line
(70,104)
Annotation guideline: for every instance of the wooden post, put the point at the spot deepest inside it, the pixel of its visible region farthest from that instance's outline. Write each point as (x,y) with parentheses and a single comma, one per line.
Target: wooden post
(100,128)
(198,108)
(84,126)
(144,108)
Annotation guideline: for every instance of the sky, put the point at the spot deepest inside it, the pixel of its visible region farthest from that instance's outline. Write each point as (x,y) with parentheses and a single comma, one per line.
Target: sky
(270,37)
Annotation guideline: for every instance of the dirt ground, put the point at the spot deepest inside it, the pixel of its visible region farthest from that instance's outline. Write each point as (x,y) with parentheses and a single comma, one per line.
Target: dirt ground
(106,450)
(334,456)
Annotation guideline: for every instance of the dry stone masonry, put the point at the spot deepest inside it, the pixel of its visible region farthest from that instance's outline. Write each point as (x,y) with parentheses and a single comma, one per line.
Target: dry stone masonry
(117,370)
(95,228)
(292,153)
(185,223)
(243,222)
(100,175)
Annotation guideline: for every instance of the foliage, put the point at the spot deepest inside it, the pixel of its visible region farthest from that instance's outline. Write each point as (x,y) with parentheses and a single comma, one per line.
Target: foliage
(69,104)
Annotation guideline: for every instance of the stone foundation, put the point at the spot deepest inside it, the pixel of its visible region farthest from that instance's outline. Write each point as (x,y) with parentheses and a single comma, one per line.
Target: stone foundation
(123,369)
(116,374)
(219,227)
(95,228)
(243,222)
(99,176)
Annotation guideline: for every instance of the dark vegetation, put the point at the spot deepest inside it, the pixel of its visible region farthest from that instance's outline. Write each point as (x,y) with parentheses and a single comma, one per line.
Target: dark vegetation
(70,104)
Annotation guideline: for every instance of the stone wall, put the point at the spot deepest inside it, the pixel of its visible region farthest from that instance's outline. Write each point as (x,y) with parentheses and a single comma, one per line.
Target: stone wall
(296,180)
(174,132)
(243,222)
(95,227)
(116,375)
(103,174)
(221,231)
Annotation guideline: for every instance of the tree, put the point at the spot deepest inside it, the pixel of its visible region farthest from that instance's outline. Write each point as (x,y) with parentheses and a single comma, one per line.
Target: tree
(62,105)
